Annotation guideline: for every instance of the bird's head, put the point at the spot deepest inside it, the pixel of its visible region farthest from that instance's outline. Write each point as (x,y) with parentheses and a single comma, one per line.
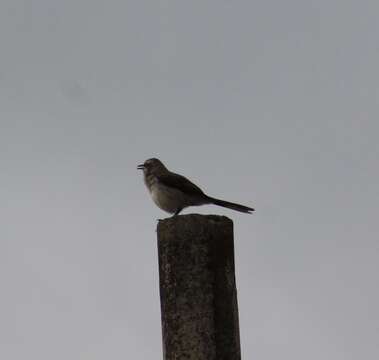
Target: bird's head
(152,165)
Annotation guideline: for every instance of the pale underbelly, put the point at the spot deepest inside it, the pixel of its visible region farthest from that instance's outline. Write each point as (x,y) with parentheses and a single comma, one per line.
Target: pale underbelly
(168,199)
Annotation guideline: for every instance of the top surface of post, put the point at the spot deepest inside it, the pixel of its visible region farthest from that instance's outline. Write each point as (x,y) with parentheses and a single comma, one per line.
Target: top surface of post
(188,223)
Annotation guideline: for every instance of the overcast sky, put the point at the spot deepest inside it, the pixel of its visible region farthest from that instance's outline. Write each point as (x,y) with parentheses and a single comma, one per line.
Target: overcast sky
(273,104)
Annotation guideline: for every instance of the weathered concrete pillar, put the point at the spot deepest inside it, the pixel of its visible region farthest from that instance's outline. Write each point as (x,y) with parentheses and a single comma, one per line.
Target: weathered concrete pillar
(197,288)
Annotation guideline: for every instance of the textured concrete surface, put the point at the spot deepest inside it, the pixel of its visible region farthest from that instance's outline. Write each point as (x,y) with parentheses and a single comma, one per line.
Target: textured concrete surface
(197,288)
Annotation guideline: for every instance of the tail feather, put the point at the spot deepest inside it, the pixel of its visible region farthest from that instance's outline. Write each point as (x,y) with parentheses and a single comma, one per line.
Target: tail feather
(230,205)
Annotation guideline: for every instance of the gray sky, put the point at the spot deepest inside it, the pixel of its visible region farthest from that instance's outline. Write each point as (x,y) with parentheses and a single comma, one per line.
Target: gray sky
(273,104)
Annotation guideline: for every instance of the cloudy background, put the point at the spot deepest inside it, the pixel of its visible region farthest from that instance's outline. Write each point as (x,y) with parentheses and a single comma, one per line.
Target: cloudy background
(273,104)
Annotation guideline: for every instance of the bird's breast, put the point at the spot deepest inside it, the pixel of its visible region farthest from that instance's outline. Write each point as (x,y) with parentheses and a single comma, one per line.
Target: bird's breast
(166,198)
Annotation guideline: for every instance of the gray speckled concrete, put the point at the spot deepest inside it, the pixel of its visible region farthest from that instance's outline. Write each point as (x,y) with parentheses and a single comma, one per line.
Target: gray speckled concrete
(197,288)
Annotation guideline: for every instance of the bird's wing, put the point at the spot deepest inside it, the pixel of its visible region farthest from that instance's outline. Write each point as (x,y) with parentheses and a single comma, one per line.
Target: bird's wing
(179,182)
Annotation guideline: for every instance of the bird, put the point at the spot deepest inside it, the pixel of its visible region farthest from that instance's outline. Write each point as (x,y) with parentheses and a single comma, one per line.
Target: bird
(172,192)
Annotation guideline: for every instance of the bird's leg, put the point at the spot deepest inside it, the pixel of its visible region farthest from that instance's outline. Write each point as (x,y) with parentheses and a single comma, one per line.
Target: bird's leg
(177,211)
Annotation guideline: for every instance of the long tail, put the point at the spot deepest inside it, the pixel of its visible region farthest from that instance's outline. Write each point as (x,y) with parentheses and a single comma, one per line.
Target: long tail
(230,205)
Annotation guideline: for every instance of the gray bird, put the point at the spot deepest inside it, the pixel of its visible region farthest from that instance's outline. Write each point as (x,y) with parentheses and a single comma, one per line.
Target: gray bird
(173,192)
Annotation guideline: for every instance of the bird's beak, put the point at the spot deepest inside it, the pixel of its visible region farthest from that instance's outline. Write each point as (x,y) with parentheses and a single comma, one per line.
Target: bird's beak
(140,167)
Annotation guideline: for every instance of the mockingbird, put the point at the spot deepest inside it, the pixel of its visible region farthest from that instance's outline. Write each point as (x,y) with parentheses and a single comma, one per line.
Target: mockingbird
(173,192)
